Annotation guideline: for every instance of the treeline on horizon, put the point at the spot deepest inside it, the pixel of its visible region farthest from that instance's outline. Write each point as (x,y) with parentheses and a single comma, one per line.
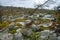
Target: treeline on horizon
(6,10)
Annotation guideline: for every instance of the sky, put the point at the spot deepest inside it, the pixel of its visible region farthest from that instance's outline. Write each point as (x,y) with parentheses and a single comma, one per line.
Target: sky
(28,3)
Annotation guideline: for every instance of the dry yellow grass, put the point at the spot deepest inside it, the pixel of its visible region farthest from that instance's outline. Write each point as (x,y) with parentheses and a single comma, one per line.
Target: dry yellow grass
(4,25)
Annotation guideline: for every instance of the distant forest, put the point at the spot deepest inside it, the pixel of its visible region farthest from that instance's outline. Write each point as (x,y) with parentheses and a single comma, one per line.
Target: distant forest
(19,10)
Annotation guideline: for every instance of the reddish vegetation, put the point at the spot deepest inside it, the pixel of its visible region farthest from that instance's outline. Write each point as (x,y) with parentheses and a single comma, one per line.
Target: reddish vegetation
(53,24)
(29,24)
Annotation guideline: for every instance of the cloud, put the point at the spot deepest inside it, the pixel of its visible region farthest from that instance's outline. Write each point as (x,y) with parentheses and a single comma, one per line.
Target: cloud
(26,3)
(17,3)
(40,1)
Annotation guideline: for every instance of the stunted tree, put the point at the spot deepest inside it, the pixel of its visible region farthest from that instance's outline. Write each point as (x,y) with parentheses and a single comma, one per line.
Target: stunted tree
(58,14)
(41,6)
(58,11)
(1,15)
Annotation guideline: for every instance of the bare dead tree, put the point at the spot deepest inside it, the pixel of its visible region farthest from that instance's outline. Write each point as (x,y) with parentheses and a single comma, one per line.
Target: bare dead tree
(39,6)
